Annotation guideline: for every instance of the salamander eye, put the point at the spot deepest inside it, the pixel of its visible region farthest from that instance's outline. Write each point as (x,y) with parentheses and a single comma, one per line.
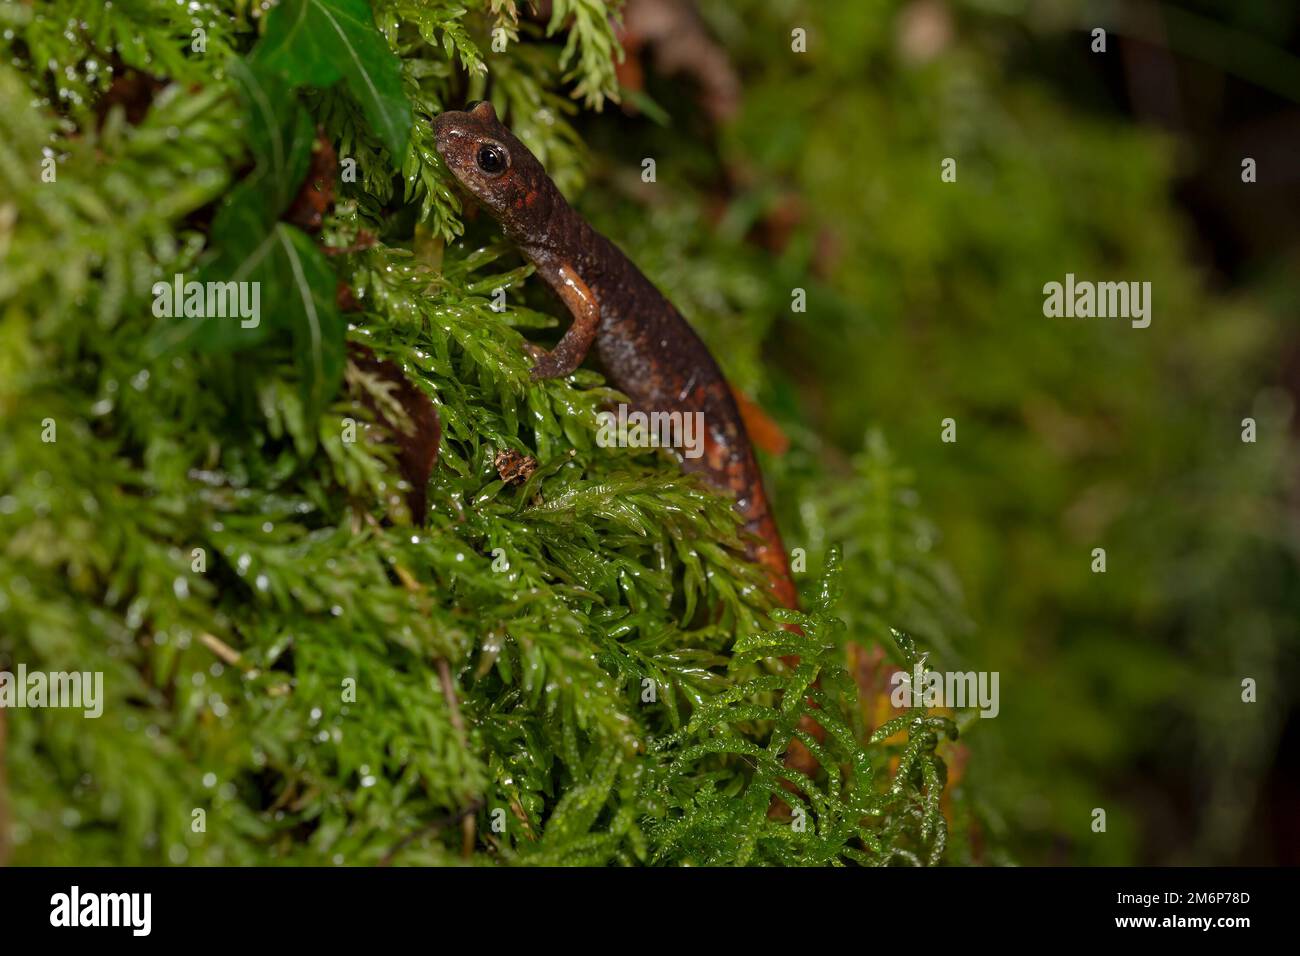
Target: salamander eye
(492,159)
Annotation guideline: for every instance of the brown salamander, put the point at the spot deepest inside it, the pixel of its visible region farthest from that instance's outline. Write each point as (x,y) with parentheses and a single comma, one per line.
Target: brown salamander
(648,349)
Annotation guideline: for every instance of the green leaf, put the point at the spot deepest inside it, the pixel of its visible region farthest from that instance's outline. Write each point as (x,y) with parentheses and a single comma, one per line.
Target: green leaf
(315,42)
(249,246)
(296,286)
(280,135)
(296,290)
(319,330)
(297,294)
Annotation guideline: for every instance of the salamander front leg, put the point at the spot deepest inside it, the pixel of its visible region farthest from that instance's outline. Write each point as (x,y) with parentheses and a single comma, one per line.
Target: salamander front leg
(576,342)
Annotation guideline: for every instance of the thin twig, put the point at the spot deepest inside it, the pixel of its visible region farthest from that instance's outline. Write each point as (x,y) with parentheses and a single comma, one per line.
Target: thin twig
(232,657)
(430,827)
(468,817)
(223,650)
(469,824)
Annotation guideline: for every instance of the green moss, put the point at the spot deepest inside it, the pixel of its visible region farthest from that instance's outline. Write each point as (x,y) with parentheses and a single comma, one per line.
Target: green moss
(284,649)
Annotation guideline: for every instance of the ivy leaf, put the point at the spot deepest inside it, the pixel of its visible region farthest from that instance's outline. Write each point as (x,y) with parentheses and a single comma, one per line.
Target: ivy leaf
(317,42)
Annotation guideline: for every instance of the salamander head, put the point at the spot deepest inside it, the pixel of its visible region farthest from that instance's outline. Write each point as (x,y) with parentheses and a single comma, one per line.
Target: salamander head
(496,168)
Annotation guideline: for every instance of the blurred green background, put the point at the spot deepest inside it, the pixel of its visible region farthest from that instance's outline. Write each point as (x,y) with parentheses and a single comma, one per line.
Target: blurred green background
(821,170)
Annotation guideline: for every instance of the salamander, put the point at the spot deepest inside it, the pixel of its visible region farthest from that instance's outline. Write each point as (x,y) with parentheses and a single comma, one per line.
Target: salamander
(648,350)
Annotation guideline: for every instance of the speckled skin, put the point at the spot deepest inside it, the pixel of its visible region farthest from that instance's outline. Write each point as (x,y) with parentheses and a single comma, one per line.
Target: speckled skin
(647,348)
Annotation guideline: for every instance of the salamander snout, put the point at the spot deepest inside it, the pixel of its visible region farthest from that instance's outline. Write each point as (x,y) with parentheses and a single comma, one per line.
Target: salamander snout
(446,129)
